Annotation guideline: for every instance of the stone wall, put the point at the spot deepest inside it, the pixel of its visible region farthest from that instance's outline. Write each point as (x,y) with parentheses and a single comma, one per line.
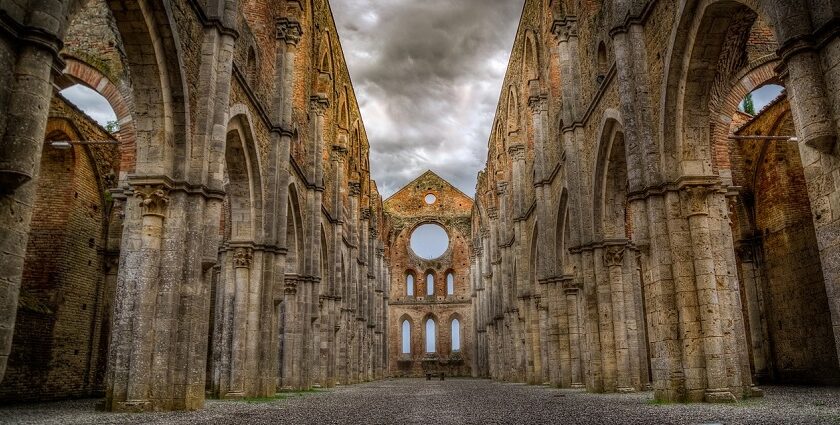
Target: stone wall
(603,231)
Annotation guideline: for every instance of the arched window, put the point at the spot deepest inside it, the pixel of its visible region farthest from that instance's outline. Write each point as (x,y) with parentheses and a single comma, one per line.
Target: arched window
(406,337)
(602,63)
(456,335)
(430,336)
(409,285)
(430,284)
(450,284)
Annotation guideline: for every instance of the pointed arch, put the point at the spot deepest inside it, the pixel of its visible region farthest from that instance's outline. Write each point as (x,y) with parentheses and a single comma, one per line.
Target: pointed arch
(456,331)
(610,177)
(512,110)
(294,233)
(530,57)
(405,334)
(430,324)
(243,183)
(410,279)
(560,230)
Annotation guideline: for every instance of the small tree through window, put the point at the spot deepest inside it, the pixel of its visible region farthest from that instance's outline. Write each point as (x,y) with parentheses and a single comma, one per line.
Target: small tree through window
(430,336)
(450,284)
(456,335)
(406,337)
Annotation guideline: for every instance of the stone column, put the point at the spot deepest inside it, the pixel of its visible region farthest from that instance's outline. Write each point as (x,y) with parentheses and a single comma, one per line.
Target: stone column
(28,56)
(242,275)
(807,94)
(751,280)
(288,33)
(153,201)
(571,292)
(614,261)
(291,335)
(708,298)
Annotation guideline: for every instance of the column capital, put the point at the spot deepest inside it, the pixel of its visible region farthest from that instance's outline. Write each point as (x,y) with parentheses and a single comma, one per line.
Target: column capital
(501,187)
(289,31)
(153,198)
(694,200)
(614,255)
(242,257)
(516,151)
(564,29)
(338,153)
(319,103)
(537,103)
(355,188)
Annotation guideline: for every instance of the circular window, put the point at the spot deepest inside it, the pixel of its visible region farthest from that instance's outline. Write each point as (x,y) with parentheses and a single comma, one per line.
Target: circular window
(430,199)
(429,241)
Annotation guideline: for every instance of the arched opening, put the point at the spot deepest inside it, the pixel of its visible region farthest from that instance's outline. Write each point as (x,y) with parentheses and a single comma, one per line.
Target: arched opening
(93,104)
(431,336)
(294,234)
(450,283)
(409,284)
(456,335)
(430,283)
(601,63)
(725,54)
(406,337)
(786,310)
(251,66)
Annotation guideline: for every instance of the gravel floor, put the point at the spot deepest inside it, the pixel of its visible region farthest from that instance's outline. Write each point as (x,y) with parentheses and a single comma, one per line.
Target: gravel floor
(460,401)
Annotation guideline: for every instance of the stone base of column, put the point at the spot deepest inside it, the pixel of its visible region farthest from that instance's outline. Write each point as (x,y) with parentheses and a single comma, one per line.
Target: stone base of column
(133,406)
(577,385)
(756,392)
(719,395)
(625,390)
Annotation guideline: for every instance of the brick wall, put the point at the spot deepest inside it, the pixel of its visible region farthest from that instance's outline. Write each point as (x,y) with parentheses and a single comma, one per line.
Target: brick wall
(406,210)
(58,347)
(792,283)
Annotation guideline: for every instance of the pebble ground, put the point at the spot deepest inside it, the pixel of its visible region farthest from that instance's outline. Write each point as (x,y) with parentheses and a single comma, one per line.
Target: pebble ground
(459,401)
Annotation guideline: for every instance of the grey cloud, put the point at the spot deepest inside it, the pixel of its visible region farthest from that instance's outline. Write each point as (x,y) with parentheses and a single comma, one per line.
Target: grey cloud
(427,75)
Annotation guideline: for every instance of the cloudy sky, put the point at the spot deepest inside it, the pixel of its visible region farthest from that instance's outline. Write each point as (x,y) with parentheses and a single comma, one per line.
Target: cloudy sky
(427,75)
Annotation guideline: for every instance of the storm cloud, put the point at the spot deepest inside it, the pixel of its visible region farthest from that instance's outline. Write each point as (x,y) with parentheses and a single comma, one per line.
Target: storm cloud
(427,75)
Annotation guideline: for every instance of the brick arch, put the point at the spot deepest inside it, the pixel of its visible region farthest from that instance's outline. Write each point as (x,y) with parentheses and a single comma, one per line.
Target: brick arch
(91,77)
(690,67)
(748,80)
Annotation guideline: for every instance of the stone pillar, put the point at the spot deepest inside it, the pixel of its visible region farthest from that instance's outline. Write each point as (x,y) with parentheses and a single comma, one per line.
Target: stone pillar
(291,335)
(242,275)
(571,292)
(131,382)
(807,94)
(708,298)
(751,280)
(614,261)
(28,56)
